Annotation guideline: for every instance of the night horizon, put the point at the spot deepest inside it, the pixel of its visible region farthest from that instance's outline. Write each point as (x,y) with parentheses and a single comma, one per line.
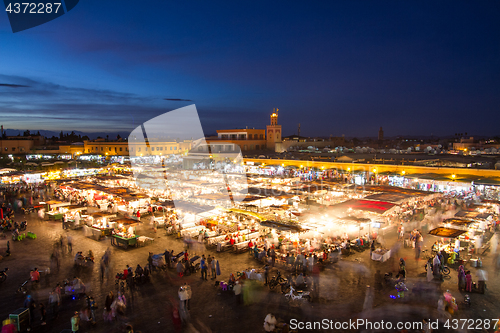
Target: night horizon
(342,69)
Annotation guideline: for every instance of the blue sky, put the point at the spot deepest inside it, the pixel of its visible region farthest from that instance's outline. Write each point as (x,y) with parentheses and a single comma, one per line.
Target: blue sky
(343,67)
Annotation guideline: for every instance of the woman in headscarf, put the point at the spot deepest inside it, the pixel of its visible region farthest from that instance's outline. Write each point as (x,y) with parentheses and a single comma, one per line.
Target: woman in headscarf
(461,277)
(468,281)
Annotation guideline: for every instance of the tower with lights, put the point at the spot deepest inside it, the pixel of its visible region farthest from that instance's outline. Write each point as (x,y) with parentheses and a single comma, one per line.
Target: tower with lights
(273,133)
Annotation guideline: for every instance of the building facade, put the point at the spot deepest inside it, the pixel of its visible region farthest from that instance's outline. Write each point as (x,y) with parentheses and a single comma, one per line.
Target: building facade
(245,139)
(20,144)
(126,148)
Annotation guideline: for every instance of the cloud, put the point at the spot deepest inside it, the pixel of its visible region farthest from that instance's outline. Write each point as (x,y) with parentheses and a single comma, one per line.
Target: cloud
(9,85)
(177,99)
(54,106)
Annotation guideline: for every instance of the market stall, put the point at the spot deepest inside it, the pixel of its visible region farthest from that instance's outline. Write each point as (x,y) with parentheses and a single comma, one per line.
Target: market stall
(53,209)
(99,225)
(124,234)
(451,247)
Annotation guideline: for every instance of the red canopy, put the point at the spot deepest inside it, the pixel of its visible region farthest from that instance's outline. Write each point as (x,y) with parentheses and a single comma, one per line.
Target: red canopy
(379,207)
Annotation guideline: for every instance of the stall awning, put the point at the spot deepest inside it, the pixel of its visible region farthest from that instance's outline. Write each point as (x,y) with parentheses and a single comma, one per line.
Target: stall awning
(446,232)
(497,202)
(379,207)
(466,214)
(483,216)
(246,212)
(125,221)
(457,221)
(394,189)
(389,197)
(98,215)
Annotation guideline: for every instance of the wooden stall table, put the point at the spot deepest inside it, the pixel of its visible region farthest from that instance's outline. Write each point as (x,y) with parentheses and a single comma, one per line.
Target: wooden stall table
(216,239)
(241,247)
(381,255)
(143,241)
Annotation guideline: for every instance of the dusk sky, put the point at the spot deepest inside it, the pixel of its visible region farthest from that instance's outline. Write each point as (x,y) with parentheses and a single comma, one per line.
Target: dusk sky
(336,67)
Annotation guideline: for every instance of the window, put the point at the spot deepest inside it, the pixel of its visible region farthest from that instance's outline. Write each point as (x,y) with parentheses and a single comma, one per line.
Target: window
(13,148)
(257,147)
(126,148)
(262,136)
(89,150)
(249,136)
(115,149)
(139,149)
(161,148)
(102,148)
(175,148)
(22,148)
(109,148)
(120,148)
(170,147)
(251,147)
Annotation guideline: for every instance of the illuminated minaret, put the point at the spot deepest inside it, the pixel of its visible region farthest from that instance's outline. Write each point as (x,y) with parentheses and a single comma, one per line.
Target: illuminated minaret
(273,131)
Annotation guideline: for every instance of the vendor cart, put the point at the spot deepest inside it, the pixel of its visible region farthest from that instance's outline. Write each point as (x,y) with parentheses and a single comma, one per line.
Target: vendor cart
(124,242)
(55,216)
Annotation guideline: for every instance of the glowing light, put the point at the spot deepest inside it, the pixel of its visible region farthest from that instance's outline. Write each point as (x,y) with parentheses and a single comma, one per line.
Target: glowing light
(453,176)
(348,169)
(403,172)
(374,170)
